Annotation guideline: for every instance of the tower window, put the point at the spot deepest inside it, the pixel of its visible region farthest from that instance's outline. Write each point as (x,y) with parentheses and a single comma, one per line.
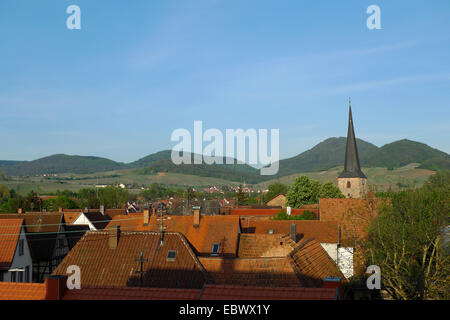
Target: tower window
(348,184)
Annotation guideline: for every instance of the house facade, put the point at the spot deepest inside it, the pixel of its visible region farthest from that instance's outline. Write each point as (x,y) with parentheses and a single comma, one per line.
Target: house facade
(16,264)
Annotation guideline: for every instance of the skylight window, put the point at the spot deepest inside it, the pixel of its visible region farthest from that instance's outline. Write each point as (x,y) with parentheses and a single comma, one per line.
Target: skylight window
(271,231)
(171,255)
(215,248)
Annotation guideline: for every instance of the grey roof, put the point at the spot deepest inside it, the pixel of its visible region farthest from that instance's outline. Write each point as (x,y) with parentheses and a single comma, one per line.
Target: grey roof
(352,168)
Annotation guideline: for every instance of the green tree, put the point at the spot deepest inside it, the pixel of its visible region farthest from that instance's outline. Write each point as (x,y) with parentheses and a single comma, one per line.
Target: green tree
(282,215)
(329,190)
(114,197)
(62,201)
(303,191)
(11,205)
(274,190)
(241,197)
(407,241)
(4,193)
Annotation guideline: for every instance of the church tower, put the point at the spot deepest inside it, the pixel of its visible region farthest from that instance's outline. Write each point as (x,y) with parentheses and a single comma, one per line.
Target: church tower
(352,181)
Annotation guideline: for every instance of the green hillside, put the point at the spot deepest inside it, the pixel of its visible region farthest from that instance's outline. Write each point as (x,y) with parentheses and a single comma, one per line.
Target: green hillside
(436,164)
(331,153)
(61,163)
(148,160)
(400,153)
(230,172)
(327,154)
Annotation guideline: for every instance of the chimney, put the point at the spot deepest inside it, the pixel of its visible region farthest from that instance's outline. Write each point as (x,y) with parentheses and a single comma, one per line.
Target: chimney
(196,216)
(154,211)
(19,211)
(114,235)
(333,282)
(102,209)
(146,217)
(293,233)
(55,287)
(60,210)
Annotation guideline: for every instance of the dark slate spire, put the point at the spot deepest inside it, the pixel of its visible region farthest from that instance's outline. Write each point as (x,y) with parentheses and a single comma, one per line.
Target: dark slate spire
(351,167)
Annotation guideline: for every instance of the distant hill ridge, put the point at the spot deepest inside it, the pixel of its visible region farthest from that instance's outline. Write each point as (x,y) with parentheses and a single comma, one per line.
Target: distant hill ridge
(327,154)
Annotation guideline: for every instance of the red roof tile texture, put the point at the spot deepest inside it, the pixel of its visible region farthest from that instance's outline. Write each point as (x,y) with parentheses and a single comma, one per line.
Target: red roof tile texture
(312,263)
(262,245)
(268,212)
(22,291)
(353,216)
(277,272)
(228,292)
(212,229)
(131,293)
(322,231)
(70,217)
(102,266)
(9,235)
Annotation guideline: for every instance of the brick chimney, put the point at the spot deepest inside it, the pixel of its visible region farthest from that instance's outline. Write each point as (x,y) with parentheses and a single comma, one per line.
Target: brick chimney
(60,210)
(154,211)
(293,233)
(196,216)
(146,217)
(19,211)
(114,235)
(55,287)
(333,282)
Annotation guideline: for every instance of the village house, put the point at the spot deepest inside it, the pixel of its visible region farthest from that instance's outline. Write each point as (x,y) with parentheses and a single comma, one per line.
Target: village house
(47,240)
(209,235)
(277,201)
(16,264)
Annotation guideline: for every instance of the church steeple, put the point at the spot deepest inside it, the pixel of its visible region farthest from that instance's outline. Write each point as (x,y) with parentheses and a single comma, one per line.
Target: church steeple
(352,168)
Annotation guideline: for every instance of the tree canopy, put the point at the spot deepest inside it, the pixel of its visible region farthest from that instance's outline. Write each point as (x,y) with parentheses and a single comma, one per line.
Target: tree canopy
(307,191)
(408,241)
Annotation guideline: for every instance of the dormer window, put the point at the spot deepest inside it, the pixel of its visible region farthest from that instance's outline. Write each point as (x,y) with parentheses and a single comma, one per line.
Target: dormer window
(215,248)
(171,255)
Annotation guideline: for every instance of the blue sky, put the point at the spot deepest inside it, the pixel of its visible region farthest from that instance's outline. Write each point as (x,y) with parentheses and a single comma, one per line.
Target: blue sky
(137,70)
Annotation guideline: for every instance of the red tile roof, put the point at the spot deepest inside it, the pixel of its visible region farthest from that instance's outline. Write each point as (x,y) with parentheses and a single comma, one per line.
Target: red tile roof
(212,229)
(102,266)
(22,291)
(42,230)
(353,216)
(229,292)
(267,212)
(312,263)
(322,231)
(268,272)
(262,245)
(9,235)
(131,293)
(70,217)
(38,291)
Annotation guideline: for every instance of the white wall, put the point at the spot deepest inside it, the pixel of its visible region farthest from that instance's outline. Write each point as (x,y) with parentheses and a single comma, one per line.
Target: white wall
(332,250)
(345,261)
(20,262)
(82,219)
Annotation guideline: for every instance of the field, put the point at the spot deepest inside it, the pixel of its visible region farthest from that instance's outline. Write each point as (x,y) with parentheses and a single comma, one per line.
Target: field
(383,178)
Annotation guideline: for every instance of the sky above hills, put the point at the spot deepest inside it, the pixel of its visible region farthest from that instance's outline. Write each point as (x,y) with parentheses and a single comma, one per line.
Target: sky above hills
(137,70)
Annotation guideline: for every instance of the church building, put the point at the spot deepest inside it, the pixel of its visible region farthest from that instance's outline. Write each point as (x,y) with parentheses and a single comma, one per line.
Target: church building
(352,181)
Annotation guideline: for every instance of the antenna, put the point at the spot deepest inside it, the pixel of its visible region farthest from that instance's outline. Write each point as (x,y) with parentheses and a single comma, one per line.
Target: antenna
(160,213)
(141,272)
